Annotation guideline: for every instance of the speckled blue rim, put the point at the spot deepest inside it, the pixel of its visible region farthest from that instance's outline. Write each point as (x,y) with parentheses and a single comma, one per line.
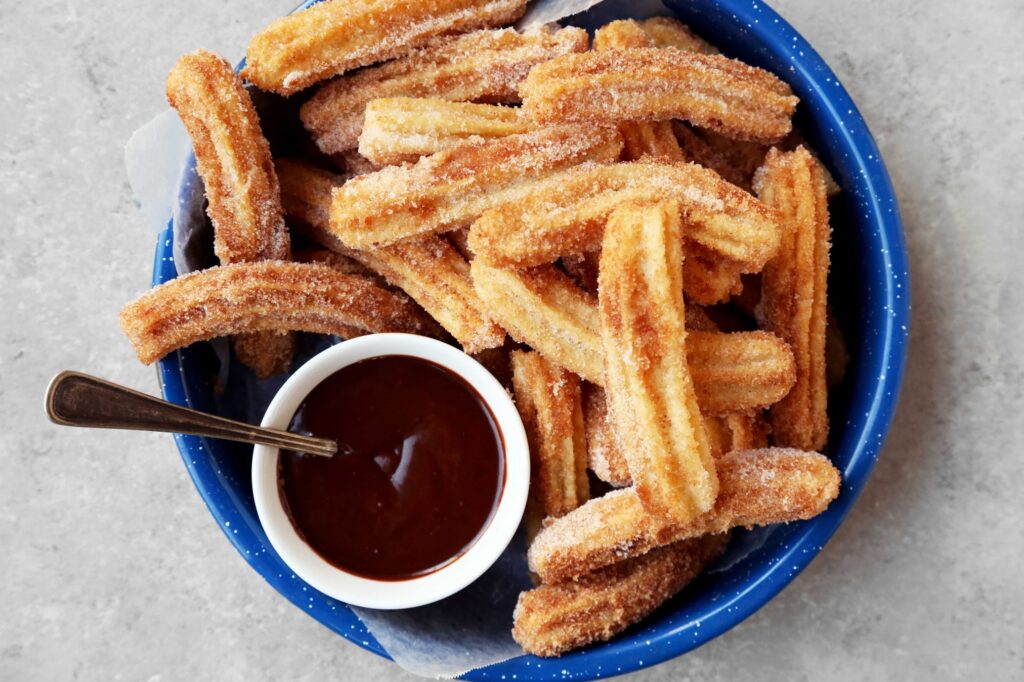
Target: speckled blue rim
(869,251)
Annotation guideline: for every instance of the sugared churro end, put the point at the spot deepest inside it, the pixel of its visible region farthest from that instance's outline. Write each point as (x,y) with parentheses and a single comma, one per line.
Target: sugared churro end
(330,38)
(553,619)
(265,296)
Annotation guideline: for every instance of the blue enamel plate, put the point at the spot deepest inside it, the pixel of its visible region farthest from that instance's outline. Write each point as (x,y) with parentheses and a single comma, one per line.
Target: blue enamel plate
(869,291)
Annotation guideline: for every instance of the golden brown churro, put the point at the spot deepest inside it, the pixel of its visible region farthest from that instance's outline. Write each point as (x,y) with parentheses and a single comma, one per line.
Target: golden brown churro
(265,296)
(428,268)
(794,292)
(233,158)
(565,213)
(543,308)
(549,400)
(553,619)
(400,129)
(450,189)
(726,433)
(484,66)
(756,488)
(607,460)
(653,139)
(652,84)
(330,38)
(650,393)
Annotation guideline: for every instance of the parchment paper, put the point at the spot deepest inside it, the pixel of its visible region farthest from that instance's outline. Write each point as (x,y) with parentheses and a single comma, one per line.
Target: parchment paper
(472,628)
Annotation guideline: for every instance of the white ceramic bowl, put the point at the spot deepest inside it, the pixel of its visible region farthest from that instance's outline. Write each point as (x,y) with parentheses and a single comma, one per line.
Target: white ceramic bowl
(392,594)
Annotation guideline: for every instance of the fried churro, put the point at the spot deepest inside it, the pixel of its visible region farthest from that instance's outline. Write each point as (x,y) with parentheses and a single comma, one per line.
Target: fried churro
(402,129)
(271,296)
(756,488)
(725,433)
(543,308)
(330,38)
(794,292)
(428,268)
(552,619)
(653,139)
(650,392)
(450,189)
(244,204)
(565,213)
(606,458)
(652,84)
(549,400)
(484,66)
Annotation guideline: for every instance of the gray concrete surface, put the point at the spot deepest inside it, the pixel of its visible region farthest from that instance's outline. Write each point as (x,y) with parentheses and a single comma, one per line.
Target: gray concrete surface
(112,568)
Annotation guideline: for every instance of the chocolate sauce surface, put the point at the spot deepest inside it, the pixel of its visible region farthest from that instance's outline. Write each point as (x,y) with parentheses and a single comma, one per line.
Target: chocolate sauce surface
(418,475)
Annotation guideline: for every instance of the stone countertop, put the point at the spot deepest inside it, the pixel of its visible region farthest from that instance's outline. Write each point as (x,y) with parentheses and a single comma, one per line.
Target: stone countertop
(113,569)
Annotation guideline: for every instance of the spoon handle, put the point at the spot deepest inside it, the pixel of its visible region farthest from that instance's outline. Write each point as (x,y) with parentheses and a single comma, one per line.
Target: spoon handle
(76,399)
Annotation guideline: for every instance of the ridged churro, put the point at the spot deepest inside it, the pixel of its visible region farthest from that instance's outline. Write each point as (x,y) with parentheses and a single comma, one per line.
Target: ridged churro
(552,619)
(606,458)
(402,129)
(543,308)
(650,392)
(565,212)
(794,292)
(428,268)
(654,139)
(271,296)
(330,38)
(725,433)
(756,488)
(483,66)
(549,400)
(654,84)
(450,189)
(233,159)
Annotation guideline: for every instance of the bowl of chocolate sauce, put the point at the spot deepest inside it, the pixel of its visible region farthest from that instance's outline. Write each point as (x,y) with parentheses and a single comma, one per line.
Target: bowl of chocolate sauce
(429,483)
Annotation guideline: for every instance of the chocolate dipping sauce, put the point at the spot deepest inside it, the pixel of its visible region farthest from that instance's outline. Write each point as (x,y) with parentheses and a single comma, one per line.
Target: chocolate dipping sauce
(418,475)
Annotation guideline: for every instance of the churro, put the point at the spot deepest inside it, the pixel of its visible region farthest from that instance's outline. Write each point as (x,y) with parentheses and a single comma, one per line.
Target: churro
(606,458)
(652,84)
(565,213)
(402,129)
(450,189)
(756,488)
(650,392)
(794,292)
(428,268)
(543,308)
(244,204)
(330,38)
(653,139)
(725,433)
(271,296)
(483,66)
(552,619)
(549,400)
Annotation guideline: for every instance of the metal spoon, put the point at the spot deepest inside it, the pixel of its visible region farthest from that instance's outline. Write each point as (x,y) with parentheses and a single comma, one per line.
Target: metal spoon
(76,399)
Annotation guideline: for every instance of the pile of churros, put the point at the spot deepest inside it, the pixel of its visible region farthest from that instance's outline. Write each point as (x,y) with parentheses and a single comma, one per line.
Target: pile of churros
(629,223)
